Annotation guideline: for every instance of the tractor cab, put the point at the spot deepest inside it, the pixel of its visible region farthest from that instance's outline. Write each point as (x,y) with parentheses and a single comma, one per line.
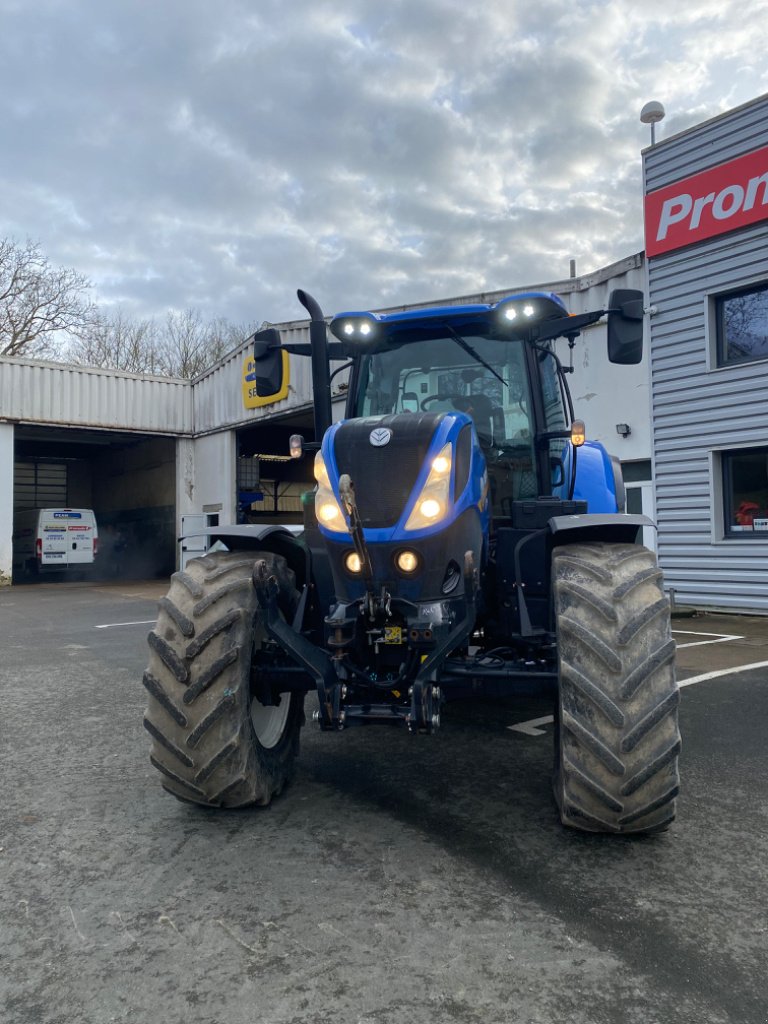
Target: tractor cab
(497,364)
(448,366)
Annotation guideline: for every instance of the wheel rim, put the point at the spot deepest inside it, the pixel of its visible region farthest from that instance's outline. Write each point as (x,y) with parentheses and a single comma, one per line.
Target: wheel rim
(269,722)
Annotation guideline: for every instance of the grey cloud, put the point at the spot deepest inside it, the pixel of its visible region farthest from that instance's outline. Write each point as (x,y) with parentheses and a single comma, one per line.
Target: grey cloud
(217,156)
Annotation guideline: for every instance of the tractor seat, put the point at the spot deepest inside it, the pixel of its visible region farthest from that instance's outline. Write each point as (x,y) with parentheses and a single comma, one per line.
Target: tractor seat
(484,414)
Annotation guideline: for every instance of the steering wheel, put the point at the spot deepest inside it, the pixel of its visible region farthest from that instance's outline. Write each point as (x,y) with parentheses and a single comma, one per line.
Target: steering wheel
(439,398)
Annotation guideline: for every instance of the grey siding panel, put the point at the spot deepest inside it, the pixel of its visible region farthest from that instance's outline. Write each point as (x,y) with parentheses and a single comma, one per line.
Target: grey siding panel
(39,392)
(699,408)
(734,380)
(707,145)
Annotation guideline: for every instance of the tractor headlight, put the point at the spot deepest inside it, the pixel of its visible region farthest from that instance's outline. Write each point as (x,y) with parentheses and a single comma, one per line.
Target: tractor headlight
(327,508)
(407,561)
(328,511)
(430,508)
(353,563)
(434,500)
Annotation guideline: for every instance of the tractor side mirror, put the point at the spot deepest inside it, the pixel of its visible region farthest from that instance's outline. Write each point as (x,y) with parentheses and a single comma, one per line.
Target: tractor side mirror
(625,326)
(268,356)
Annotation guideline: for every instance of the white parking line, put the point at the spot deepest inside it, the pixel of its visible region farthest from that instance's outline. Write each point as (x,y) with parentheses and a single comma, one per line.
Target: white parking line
(113,625)
(718,638)
(722,672)
(532,726)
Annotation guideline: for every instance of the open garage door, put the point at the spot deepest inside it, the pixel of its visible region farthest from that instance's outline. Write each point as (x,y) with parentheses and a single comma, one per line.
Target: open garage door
(129,480)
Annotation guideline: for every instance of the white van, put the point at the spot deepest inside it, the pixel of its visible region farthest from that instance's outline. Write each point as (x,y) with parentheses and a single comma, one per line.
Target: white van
(54,539)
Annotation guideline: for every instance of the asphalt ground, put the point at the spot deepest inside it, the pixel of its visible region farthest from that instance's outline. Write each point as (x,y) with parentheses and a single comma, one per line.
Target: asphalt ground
(398,879)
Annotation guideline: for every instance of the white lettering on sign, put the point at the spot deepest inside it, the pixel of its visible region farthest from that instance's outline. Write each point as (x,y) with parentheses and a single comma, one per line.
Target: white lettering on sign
(723,198)
(725,204)
(672,211)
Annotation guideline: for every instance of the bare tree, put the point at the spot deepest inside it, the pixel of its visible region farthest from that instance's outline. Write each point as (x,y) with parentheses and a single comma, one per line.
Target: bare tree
(38,300)
(118,342)
(187,345)
(182,346)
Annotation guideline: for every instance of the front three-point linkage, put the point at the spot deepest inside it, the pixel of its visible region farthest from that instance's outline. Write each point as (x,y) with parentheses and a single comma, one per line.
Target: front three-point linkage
(425,694)
(313,659)
(424,713)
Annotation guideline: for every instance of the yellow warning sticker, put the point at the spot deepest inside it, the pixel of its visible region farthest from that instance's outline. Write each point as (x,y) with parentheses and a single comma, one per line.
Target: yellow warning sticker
(393,635)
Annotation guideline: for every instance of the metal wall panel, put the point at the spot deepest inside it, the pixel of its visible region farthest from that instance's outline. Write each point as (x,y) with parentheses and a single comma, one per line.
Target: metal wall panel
(699,409)
(218,393)
(706,145)
(54,394)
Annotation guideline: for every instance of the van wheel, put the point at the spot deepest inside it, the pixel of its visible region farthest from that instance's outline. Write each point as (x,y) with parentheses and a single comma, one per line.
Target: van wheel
(212,741)
(617,739)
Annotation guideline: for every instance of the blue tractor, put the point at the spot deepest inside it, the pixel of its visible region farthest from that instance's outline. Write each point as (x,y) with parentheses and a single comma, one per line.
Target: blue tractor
(463,539)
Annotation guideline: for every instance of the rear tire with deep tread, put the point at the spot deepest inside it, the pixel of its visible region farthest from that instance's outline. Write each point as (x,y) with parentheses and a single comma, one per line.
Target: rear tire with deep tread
(617,739)
(200,714)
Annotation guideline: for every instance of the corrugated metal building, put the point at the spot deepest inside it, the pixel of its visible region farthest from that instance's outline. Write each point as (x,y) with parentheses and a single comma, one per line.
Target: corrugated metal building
(32,391)
(706,209)
(82,437)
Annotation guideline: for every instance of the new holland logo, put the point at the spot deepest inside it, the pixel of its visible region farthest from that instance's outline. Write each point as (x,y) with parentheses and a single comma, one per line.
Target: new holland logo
(380,436)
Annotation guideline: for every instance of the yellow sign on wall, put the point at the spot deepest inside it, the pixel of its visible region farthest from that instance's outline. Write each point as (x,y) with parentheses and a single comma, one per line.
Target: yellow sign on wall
(250,399)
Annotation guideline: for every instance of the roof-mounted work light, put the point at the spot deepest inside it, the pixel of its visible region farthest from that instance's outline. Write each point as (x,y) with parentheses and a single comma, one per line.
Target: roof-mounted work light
(529,308)
(358,330)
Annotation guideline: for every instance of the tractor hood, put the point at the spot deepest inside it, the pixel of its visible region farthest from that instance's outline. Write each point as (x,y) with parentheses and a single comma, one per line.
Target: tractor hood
(421,501)
(395,462)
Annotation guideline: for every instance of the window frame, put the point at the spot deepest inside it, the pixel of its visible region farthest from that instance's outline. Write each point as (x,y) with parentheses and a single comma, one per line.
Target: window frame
(727,504)
(719,301)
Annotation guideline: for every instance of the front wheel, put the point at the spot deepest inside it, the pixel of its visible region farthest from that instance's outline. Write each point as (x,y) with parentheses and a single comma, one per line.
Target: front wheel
(617,738)
(212,741)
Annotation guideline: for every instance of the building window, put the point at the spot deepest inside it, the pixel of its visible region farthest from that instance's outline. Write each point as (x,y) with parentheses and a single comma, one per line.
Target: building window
(745,490)
(742,325)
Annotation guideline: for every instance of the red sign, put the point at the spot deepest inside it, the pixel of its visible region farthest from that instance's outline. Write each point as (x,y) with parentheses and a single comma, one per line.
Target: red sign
(720,199)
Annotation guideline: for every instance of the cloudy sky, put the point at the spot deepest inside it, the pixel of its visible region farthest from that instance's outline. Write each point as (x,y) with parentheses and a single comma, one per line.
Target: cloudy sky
(218,155)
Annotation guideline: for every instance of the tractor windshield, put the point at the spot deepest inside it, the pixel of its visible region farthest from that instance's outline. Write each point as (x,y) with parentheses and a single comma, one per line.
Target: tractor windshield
(485,378)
